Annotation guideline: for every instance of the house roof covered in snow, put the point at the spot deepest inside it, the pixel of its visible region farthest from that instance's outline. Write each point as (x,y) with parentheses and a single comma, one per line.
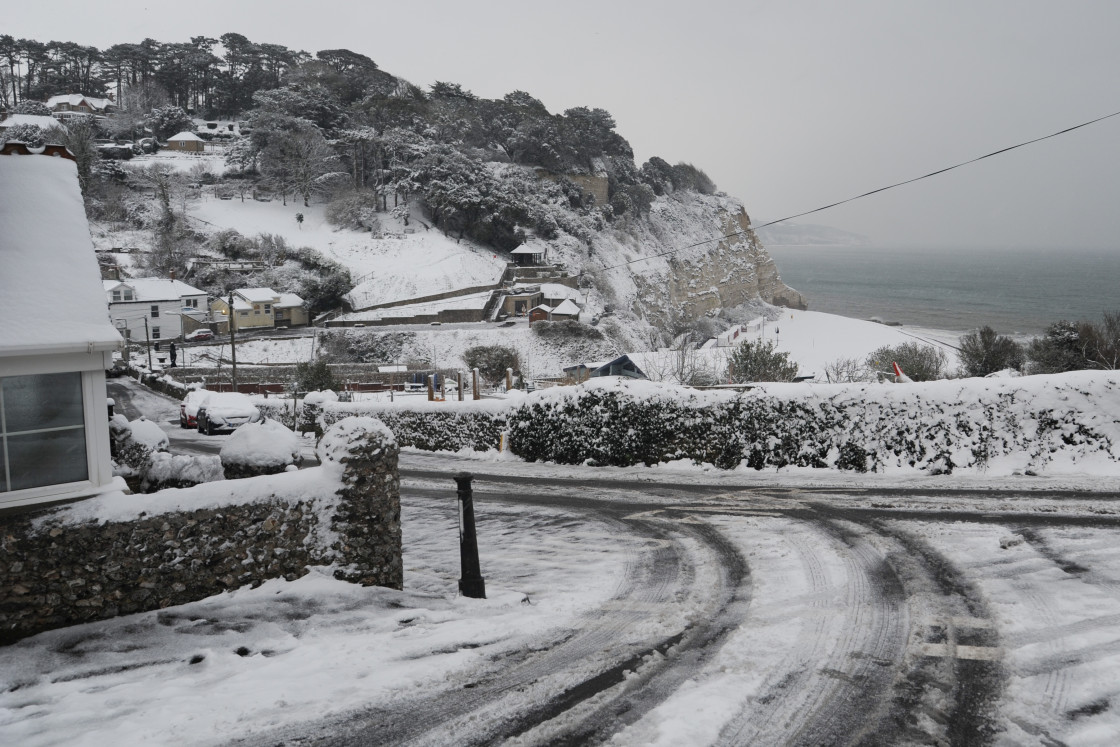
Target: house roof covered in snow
(542,307)
(74,99)
(567,307)
(154,289)
(556,290)
(257,295)
(51,298)
(184,135)
(288,299)
(39,120)
(527,249)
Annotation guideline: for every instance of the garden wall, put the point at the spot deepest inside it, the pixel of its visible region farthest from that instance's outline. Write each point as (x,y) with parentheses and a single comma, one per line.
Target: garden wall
(119,554)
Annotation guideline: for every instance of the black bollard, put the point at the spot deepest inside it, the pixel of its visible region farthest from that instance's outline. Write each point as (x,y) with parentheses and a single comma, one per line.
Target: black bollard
(471,584)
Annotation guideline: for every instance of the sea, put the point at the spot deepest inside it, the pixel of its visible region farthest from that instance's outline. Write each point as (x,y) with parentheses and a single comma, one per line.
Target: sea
(1015,291)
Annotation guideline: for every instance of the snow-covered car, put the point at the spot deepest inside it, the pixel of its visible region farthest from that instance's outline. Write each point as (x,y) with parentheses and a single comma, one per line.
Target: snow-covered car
(199,335)
(188,408)
(225,411)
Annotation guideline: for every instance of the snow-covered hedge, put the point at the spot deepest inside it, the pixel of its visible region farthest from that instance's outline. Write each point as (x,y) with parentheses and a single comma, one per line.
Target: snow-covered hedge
(1067,422)
(432,426)
(264,448)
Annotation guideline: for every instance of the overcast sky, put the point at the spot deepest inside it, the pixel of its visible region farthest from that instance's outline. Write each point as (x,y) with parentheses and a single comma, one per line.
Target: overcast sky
(787,105)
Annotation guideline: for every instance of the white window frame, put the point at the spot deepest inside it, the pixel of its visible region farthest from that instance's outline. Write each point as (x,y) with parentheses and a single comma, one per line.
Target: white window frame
(95,417)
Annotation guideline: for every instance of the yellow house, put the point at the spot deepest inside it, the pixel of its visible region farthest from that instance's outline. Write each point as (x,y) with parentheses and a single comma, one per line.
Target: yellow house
(254,308)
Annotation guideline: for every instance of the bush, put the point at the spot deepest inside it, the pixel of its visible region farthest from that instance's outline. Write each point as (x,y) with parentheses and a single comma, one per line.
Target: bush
(983,352)
(846,371)
(264,448)
(492,361)
(1057,351)
(314,376)
(919,362)
(759,361)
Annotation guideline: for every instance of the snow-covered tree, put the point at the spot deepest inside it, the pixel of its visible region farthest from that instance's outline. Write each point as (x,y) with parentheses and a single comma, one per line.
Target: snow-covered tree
(36,108)
(166,121)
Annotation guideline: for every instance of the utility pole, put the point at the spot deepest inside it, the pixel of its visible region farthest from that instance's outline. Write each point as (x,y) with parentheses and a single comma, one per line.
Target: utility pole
(148,340)
(232,347)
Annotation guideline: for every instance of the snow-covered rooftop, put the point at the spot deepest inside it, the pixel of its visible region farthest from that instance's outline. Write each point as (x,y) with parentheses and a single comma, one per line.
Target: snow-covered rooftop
(556,290)
(567,307)
(288,299)
(257,295)
(40,121)
(154,289)
(51,299)
(184,135)
(74,99)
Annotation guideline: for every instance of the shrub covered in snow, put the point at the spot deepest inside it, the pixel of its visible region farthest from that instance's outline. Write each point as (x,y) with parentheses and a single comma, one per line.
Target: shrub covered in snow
(263,448)
(132,444)
(180,471)
(1030,424)
(445,426)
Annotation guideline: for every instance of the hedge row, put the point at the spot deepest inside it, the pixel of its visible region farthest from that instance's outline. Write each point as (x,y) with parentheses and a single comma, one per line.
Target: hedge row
(444,428)
(1031,424)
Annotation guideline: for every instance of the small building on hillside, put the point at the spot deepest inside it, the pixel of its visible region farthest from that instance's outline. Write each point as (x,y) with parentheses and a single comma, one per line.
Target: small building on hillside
(186,142)
(566,311)
(518,301)
(56,340)
(530,255)
(620,366)
(256,308)
(152,309)
(557,293)
(290,311)
(540,313)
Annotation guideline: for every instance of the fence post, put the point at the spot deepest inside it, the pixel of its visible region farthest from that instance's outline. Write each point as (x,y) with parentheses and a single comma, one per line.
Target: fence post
(475,394)
(471,584)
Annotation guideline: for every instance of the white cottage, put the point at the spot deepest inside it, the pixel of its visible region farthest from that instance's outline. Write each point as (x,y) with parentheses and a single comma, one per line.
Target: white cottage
(56,339)
(153,308)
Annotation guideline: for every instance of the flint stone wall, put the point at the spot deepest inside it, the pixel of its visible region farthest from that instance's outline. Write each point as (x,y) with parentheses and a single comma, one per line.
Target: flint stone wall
(61,566)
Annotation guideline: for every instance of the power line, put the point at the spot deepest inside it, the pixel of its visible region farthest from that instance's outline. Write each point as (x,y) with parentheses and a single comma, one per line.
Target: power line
(860,196)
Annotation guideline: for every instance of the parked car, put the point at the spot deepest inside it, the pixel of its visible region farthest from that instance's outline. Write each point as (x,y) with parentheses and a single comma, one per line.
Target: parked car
(188,408)
(225,411)
(199,335)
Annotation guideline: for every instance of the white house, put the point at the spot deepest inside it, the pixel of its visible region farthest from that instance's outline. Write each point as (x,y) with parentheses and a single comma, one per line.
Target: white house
(56,340)
(157,303)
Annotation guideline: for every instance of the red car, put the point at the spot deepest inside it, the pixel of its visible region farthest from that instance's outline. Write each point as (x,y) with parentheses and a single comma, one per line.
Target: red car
(199,335)
(188,408)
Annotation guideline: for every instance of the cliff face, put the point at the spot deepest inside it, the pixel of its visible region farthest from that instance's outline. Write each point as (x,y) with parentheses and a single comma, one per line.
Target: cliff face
(701,274)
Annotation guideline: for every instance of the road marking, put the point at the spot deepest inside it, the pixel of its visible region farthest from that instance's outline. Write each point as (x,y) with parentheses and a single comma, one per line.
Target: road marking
(975,653)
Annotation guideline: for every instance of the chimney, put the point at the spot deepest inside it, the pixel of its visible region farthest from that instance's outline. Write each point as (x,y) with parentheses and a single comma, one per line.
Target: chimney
(172,274)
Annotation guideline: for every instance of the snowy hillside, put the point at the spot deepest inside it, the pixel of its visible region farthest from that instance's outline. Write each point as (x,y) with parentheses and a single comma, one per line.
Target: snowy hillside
(393,267)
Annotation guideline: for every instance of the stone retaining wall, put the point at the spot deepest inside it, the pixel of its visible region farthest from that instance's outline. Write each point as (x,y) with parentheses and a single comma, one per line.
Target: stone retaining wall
(122,554)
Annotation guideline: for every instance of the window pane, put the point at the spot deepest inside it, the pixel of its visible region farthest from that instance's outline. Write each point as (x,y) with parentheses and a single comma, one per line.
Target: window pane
(47,458)
(42,401)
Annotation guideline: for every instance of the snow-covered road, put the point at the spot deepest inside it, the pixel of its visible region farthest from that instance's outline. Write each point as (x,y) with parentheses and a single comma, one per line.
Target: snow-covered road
(637,606)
